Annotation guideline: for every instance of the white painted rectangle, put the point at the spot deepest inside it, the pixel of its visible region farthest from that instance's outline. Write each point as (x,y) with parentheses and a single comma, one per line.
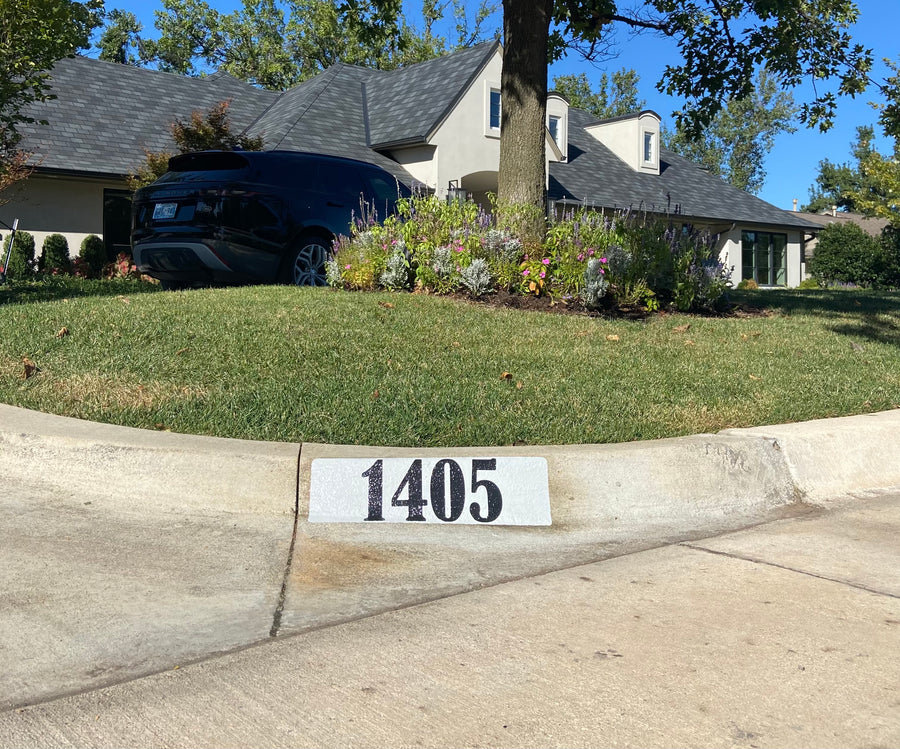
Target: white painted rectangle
(463,491)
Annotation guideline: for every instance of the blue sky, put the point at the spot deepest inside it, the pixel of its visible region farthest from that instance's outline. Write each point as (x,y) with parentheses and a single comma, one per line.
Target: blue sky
(792,164)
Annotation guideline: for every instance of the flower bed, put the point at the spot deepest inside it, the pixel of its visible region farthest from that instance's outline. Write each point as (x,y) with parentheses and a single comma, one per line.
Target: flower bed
(589,258)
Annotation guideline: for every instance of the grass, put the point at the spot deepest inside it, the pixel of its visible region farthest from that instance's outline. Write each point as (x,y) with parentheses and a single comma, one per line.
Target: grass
(281,363)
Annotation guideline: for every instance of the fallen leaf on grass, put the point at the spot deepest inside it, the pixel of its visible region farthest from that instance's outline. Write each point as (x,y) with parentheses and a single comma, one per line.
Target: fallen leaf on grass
(506,376)
(856,347)
(30,368)
(581,333)
(181,351)
(754,377)
(519,385)
(612,338)
(386,305)
(376,395)
(456,344)
(689,342)
(123,299)
(62,332)
(682,328)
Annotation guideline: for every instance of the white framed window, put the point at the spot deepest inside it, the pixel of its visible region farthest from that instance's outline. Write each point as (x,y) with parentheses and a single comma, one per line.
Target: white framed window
(553,125)
(649,146)
(494,109)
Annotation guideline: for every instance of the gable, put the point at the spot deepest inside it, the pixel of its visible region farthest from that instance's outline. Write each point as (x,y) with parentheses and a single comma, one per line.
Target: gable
(405,106)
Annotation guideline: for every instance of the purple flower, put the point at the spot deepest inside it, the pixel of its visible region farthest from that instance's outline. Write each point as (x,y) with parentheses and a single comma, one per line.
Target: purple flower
(580,256)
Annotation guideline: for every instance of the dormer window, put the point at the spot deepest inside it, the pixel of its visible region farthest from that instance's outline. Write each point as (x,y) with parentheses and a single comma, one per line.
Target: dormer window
(649,149)
(634,138)
(553,127)
(557,129)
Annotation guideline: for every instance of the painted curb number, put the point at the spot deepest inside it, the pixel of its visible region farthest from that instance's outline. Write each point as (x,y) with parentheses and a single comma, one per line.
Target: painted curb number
(470,491)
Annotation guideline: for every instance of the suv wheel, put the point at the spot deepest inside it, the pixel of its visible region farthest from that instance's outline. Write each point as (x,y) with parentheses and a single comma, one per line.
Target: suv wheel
(306,264)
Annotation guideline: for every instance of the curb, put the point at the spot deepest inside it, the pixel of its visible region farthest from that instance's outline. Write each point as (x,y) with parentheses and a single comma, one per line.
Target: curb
(733,475)
(131,467)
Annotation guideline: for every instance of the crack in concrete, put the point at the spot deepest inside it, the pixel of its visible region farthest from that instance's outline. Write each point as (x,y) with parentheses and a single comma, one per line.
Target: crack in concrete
(282,594)
(756,560)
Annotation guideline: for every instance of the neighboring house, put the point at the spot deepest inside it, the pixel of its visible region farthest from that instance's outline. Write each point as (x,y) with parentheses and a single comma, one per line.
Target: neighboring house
(871,225)
(435,124)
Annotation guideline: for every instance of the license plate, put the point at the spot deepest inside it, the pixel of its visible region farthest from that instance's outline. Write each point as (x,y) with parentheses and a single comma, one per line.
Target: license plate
(470,491)
(165,210)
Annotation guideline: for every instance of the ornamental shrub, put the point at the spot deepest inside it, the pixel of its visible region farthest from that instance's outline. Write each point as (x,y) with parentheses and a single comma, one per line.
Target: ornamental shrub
(21,259)
(595,284)
(845,254)
(93,254)
(55,254)
(396,271)
(476,277)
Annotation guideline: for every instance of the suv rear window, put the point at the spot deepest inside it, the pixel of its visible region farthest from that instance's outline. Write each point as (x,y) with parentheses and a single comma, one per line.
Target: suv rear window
(203,167)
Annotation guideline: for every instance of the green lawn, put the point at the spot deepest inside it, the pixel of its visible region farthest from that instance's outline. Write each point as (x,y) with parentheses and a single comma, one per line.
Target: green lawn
(281,363)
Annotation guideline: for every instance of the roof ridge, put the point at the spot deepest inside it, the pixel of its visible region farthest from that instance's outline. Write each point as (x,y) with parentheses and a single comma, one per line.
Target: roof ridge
(328,75)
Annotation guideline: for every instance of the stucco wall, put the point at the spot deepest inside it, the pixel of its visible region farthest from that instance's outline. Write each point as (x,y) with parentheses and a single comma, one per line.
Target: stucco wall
(419,161)
(58,205)
(463,145)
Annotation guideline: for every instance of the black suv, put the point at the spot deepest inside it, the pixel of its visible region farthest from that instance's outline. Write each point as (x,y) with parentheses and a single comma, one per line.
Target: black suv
(234,216)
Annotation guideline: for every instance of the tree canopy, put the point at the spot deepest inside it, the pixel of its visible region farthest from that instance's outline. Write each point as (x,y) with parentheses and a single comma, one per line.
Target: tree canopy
(735,143)
(615,95)
(278,43)
(34,34)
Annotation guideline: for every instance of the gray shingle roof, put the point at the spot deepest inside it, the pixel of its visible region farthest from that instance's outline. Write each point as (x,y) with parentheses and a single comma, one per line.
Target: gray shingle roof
(106,114)
(407,104)
(325,115)
(595,176)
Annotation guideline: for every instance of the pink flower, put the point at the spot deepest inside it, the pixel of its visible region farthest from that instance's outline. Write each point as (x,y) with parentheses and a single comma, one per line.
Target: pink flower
(580,256)
(526,272)
(603,260)
(543,274)
(347,266)
(591,253)
(546,261)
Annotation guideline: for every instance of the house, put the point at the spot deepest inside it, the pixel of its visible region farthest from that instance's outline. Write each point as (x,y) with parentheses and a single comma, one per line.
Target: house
(871,225)
(436,124)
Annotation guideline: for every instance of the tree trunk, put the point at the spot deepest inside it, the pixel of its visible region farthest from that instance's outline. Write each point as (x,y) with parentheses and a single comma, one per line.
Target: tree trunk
(522,179)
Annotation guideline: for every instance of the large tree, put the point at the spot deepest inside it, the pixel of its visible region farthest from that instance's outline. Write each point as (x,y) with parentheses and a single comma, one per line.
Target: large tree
(721,45)
(34,34)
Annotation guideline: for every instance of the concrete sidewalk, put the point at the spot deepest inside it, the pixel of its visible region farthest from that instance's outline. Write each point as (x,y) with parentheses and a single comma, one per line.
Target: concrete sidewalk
(786,634)
(128,553)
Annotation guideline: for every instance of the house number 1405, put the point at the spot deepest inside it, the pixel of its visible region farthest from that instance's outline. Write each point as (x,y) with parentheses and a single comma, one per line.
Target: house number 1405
(447,491)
